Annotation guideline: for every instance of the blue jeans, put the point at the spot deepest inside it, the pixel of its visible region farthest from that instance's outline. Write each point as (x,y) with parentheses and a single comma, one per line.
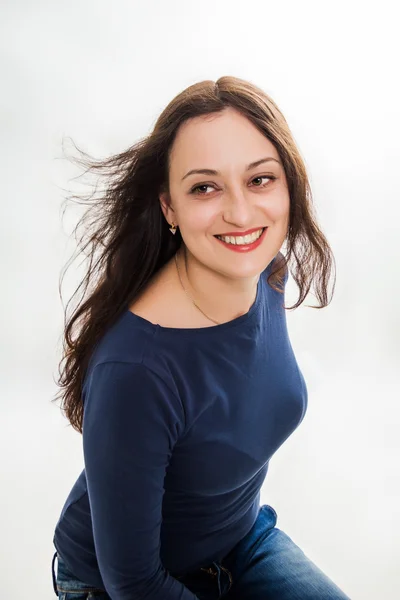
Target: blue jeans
(264,565)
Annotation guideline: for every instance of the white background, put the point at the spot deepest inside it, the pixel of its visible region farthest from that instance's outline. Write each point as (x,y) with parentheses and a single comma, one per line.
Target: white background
(101,72)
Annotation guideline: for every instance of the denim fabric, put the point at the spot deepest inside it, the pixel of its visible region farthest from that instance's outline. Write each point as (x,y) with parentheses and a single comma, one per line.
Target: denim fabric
(265,565)
(67,587)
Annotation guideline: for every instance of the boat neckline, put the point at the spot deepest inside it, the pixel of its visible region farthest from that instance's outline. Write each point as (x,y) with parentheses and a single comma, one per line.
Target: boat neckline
(203,330)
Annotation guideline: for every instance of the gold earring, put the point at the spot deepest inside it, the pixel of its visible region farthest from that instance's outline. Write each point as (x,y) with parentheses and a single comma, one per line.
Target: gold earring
(173,229)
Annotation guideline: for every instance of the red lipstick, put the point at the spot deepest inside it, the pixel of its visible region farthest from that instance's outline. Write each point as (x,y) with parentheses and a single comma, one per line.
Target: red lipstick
(237,233)
(244,247)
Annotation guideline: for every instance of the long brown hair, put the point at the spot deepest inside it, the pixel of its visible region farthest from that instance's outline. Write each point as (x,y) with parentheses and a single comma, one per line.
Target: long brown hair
(127,239)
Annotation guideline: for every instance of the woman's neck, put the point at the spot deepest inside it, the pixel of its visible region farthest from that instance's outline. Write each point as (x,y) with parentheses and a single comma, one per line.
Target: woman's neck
(222,299)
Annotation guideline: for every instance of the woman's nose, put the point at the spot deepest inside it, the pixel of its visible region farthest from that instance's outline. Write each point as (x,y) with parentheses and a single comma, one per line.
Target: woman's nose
(237,210)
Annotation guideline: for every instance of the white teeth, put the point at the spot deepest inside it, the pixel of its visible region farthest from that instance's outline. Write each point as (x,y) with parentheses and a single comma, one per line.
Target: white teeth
(241,240)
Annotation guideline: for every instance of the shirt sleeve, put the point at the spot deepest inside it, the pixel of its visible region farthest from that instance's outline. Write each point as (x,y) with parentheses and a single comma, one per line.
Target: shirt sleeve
(130,425)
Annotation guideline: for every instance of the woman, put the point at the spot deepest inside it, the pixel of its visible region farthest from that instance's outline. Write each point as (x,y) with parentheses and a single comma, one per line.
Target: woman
(182,378)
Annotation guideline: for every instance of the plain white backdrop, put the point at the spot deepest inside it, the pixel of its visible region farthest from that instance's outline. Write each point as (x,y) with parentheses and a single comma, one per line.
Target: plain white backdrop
(101,72)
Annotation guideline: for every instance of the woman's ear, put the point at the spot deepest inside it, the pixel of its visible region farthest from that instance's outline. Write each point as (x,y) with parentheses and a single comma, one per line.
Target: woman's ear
(168,211)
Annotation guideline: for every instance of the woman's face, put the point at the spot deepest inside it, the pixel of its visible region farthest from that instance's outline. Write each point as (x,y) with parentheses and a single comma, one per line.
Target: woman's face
(233,199)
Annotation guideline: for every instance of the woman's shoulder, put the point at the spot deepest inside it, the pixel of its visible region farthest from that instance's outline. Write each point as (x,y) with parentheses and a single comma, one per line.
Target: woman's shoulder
(134,337)
(130,347)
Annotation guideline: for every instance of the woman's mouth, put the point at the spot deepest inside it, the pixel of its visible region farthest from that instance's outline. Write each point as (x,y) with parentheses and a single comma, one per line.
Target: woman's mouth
(243,243)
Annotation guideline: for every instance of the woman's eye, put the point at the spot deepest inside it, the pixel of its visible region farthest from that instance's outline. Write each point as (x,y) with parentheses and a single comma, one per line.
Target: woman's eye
(198,187)
(271,177)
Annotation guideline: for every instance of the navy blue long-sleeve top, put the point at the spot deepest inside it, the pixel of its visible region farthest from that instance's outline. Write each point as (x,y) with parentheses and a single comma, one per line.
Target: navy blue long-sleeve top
(179,426)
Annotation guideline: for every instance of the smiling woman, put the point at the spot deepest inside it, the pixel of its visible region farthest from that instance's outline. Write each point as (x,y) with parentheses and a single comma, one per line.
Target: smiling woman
(243,198)
(179,371)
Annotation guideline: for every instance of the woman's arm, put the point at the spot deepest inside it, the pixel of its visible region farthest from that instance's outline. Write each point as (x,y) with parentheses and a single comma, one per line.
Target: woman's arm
(131,422)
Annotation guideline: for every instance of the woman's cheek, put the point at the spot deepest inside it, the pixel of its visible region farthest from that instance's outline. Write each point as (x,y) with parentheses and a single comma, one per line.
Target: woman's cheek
(199,221)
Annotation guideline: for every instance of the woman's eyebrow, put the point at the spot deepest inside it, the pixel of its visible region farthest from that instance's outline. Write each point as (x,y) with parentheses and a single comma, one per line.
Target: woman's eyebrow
(213,172)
